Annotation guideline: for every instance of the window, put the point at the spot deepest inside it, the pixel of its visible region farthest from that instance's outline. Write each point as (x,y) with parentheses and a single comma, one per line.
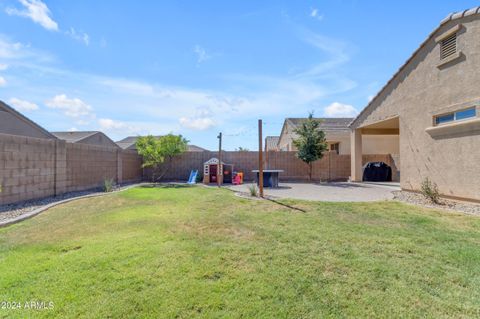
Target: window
(448,46)
(455,116)
(335,147)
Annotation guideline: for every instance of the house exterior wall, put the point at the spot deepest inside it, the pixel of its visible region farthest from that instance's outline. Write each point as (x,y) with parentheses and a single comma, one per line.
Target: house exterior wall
(372,144)
(422,90)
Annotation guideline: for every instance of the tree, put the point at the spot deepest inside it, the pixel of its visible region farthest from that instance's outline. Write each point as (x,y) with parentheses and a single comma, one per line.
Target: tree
(160,150)
(242,149)
(311,142)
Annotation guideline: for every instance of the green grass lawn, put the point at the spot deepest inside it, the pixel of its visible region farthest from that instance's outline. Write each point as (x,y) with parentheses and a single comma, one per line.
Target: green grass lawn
(200,252)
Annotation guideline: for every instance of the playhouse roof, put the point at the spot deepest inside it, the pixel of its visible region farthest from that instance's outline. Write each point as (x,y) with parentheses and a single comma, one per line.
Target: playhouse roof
(213,160)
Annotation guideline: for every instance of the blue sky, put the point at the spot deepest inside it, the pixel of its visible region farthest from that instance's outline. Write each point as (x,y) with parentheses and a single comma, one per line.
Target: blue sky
(200,67)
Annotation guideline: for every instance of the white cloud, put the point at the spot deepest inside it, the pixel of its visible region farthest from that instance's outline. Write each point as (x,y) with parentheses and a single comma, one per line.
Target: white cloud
(122,85)
(3,67)
(370,98)
(315,14)
(79,36)
(22,105)
(109,124)
(116,127)
(202,120)
(202,54)
(198,124)
(37,11)
(337,109)
(3,82)
(336,50)
(73,129)
(75,107)
(16,52)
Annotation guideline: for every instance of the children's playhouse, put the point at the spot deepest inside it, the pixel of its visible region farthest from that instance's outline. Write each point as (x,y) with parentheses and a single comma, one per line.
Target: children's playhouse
(211,172)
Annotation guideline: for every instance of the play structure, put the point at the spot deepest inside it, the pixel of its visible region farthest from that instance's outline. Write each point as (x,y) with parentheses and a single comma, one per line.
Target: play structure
(226,176)
(193,177)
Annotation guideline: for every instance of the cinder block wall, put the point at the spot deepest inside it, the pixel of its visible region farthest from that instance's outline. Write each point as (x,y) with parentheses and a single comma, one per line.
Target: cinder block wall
(131,166)
(33,168)
(330,167)
(27,168)
(88,166)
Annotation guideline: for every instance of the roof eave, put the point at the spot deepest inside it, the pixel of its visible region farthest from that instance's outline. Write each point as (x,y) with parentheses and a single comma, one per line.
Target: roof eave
(450,17)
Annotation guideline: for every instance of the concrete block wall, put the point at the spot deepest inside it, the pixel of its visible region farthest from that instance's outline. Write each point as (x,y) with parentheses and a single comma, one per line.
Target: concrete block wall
(88,166)
(32,168)
(330,167)
(27,168)
(131,166)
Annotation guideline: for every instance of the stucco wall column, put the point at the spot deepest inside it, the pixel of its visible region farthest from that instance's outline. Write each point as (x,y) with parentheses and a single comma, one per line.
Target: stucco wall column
(356,155)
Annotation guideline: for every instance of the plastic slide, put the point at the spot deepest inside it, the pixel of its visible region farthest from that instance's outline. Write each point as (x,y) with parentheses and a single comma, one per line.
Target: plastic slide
(193,177)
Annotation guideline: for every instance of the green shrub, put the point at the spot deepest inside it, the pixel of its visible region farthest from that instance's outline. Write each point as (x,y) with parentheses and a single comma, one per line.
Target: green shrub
(108,185)
(253,190)
(430,191)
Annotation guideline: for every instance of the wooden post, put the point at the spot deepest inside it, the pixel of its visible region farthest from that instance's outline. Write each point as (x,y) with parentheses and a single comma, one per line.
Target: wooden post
(219,166)
(260,158)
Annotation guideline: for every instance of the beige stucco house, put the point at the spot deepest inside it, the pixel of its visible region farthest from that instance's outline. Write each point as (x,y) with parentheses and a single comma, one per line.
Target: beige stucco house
(337,133)
(271,143)
(14,123)
(432,106)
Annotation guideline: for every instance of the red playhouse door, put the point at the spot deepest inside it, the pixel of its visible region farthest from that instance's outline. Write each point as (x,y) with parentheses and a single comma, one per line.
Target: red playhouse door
(213,173)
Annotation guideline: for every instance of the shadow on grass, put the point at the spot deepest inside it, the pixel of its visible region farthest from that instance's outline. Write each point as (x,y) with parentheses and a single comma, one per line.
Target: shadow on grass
(286,205)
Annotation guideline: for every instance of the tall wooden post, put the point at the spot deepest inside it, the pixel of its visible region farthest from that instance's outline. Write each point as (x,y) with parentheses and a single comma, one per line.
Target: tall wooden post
(260,158)
(219,166)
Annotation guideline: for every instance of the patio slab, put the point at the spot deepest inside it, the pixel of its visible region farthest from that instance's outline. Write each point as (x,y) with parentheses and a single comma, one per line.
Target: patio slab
(331,192)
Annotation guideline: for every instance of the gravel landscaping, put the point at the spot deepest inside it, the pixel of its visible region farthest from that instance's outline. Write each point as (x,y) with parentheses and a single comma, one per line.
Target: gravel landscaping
(11,211)
(447,204)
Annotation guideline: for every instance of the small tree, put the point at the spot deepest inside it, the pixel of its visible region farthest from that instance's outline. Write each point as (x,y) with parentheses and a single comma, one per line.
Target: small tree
(311,142)
(242,149)
(160,150)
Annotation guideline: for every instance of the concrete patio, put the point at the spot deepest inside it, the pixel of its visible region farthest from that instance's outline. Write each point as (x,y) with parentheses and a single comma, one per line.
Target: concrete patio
(331,192)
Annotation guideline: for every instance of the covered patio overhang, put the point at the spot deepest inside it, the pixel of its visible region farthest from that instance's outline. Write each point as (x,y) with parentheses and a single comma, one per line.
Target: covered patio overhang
(389,126)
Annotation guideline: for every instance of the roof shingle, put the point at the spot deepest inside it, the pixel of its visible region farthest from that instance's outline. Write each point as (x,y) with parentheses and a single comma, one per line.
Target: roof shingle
(326,123)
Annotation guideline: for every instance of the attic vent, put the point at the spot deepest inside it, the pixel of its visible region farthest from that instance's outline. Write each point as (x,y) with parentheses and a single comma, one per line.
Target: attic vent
(448,46)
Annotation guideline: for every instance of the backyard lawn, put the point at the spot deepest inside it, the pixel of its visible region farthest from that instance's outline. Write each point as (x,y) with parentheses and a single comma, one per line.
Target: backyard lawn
(182,252)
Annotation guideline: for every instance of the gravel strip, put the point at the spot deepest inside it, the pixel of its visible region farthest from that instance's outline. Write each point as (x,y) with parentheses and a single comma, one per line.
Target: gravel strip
(12,211)
(447,204)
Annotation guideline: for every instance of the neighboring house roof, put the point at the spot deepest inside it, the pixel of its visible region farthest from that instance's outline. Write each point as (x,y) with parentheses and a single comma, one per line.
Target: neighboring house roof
(326,124)
(74,137)
(129,143)
(86,137)
(451,17)
(194,148)
(14,123)
(271,143)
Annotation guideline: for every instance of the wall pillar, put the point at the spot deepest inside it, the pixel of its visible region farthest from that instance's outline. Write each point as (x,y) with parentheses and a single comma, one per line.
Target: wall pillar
(119,167)
(356,155)
(60,183)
